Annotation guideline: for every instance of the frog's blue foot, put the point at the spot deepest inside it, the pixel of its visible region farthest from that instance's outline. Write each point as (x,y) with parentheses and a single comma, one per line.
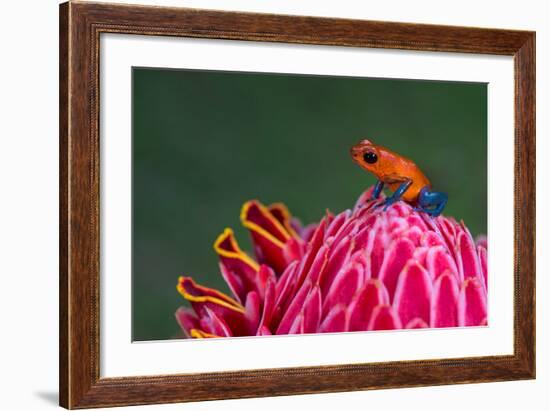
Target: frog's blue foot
(431,202)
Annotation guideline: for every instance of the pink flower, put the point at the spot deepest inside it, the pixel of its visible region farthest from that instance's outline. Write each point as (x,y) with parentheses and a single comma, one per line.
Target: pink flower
(363,269)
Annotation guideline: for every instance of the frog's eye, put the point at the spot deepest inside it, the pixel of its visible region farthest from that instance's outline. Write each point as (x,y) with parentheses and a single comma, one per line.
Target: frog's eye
(370,157)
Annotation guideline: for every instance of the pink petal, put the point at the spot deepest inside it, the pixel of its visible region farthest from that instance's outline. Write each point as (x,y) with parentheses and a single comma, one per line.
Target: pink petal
(252,312)
(481,241)
(214,324)
(414,234)
(337,223)
(384,318)
(416,323)
(431,238)
(294,309)
(187,320)
(312,311)
(399,252)
(444,308)
(337,259)
(264,331)
(376,246)
(472,304)
(438,261)
(346,283)
(468,263)
(237,268)
(335,321)
(360,310)
(268,235)
(420,254)
(285,286)
(269,304)
(413,220)
(413,293)
(482,252)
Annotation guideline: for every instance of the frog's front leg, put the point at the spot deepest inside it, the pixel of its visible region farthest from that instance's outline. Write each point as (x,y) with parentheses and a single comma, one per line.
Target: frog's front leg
(377,190)
(396,196)
(431,202)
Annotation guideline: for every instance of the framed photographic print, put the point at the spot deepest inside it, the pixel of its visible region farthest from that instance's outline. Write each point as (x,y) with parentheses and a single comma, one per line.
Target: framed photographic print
(258,205)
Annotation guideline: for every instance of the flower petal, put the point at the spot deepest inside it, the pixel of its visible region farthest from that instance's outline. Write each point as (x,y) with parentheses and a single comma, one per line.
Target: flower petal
(268,304)
(337,258)
(468,264)
(472,304)
(214,324)
(294,309)
(237,268)
(482,252)
(416,323)
(312,311)
(346,283)
(413,293)
(283,216)
(223,306)
(361,308)
(444,304)
(268,234)
(187,320)
(384,318)
(196,333)
(399,252)
(335,321)
(438,261)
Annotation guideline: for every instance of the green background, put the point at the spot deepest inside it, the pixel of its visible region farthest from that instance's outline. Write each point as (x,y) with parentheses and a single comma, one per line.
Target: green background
(204,142)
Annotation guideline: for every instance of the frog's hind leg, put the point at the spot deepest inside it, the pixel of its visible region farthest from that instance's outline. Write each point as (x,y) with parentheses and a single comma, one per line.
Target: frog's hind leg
(431,202)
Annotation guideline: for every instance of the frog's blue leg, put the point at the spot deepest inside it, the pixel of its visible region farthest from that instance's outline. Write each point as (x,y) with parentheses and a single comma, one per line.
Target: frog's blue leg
(377,190)
(396,196)
(431,202)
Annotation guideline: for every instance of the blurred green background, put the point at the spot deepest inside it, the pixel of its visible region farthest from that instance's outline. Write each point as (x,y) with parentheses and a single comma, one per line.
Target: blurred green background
(204,142)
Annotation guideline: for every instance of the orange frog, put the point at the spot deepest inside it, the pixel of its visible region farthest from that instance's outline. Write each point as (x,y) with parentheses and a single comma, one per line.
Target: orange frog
(402,176)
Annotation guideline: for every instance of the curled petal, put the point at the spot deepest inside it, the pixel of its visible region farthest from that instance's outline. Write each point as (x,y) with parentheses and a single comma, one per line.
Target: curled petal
(444,311)
(283,216)
(237,268)
(472,304)
(200,296)
(413,293)
(203,298)
(268,234)
(196,333)
(384,318)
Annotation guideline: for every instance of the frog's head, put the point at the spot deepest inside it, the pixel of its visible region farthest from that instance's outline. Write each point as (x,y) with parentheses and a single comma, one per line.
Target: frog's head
(367,156)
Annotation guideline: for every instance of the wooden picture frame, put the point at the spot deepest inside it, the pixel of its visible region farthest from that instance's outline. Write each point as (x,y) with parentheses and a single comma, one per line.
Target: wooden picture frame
(80,27)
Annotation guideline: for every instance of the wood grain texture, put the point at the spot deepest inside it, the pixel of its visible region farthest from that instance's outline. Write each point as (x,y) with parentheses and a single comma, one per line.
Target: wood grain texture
(80,27)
